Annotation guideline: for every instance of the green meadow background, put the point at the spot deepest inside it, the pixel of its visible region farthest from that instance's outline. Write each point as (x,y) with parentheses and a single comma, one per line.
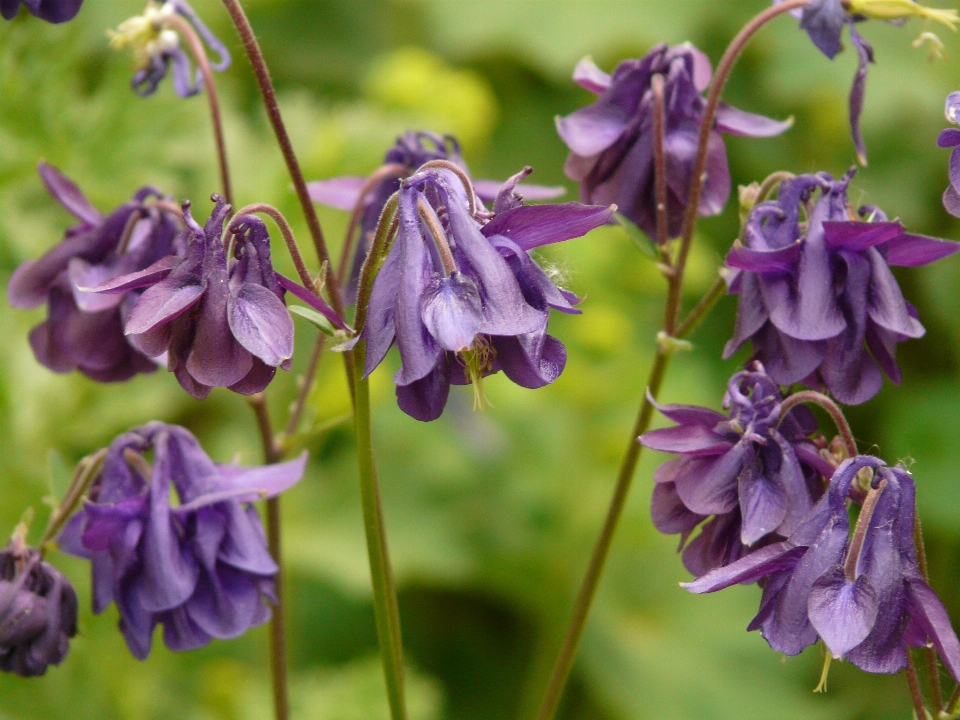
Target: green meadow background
(491,515)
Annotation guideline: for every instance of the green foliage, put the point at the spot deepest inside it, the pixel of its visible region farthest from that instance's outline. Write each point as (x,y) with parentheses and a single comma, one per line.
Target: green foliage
(491,515)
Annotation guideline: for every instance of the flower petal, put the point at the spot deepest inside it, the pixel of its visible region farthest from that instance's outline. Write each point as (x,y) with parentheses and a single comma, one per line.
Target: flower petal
(590,77)
(260,322)
(738,122)
(910,250)
(778,556)
(65,192)
(340,192)
(842,612)
(533,226)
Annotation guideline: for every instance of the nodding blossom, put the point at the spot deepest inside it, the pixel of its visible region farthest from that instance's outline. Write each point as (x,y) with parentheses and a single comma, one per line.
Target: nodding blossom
(54,11)
(83,330)
(817,299)
(611,141)
(220,319)
(156,46)
(751,476)
(38,611)
(408,153)
(862,593)
(460,294)
(951,138)
(176,541)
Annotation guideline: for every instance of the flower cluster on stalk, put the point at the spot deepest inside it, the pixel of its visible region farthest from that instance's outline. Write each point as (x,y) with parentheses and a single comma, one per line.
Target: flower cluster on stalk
(176,541)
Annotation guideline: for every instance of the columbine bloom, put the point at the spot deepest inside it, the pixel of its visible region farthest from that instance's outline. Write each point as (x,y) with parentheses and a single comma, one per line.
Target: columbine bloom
(38,611)
(463,299)
(611,141)
(221,319)
(757,477)
(411,150)
(863,596)
(83,330)
(824,20)
(198,565)
(156,47)
(951,138)
(815,297)
(55,11)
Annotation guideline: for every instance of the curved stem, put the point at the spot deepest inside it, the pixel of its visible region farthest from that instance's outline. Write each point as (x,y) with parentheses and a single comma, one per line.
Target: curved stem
(464,178)
(87,471)
(770,183)
(811,396)
(913,683)
(384,590)
(200,55)
(288,238)
(265,84)
(724,69)
(432,222)
(659,160)
(383,173)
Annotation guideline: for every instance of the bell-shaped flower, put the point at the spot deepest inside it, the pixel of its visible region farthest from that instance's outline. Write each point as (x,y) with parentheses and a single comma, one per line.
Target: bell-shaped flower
(409,152)
(156,46)
(817,299)
(219,317)
(177,542)
(824,20)
(38,611)
(862,594)
(611,141)
(951,138)
(54,11)
(754,476)
(83,330)
(463,299)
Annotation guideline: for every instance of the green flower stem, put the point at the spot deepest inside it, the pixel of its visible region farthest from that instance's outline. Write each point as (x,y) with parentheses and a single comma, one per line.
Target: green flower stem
(87,471)
(384,591)
(913,684)
(953,703)
(933,665)
(702,308)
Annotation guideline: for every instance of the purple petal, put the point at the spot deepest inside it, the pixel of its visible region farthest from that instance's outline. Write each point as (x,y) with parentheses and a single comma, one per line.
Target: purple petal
(261,481)
(66,193)
(150,276)
(713,491)
(857,236)
(225,603)
(864,58)
(591,130)
(533,226)
(686,439)
(752,313)
(531,360)
(82,276)
(341,192)
(766,560)
(928,612)
(952,107)
(783,260)
(949,138)
(260,323)
(487,190)
(379,330)
(689,414)
(763,504)
(317,303)
(886,305)
(842,612)
(424,399)
(165,301)
(738,122)
(951,201)
(452,311)
(670,516)
(909,250)
(590,77)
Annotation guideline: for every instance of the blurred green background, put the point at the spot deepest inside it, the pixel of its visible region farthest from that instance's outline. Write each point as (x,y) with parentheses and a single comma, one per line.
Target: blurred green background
(491,516)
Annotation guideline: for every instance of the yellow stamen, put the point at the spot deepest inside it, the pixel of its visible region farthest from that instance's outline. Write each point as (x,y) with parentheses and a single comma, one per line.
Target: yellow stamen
(897,9)
(145,34)
(822,687)
(477,361)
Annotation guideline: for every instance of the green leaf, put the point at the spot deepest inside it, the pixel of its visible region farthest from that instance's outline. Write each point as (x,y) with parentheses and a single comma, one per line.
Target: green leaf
(644,244)
(314,318)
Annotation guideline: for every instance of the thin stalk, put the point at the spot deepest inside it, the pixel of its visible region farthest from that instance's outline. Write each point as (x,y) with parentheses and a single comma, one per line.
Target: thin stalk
(288,238)
(860,531)
(262,73)
(933,665)
(296,413)
(87,471)
(771,183)
(724,69)
(200,55)
(383,173)
(273,453)
(660,160)
(702,308)
(811,396)
(432,222)
(914,685)
(954,701)
(464,178)
(384,590)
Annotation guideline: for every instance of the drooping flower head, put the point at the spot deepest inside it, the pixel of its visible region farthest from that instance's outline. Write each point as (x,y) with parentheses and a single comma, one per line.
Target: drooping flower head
(463,299)
(199,564)
(38,611)
(754,476)
(411,150)
(156,46)
(862,594)
(951,138)
(219,317)
(611,141)
(824,20)
(54,11)
(817,298)
(83,330)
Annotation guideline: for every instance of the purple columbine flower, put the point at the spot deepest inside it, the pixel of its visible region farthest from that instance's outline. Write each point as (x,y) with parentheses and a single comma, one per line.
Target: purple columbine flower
(54,11)
(757,477)
(83,330)
(156,46)
(463,299)
(824,20)
(220,318)
(38,611)
(198,565)
(409,152)
(951,138)
(611,141)
(818,300)
(863,596)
